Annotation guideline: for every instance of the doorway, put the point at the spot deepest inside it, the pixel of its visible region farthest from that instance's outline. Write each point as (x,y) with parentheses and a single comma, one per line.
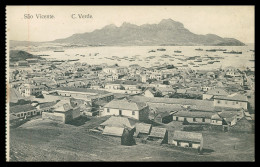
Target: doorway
(120,112)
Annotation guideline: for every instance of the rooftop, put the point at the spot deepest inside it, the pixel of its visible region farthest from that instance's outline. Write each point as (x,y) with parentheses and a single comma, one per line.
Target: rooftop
(218,91)
(125,104)
(82,90)
(194,114)
(21,108)
(118,121)
(234,97)
(187,136)
(158,132)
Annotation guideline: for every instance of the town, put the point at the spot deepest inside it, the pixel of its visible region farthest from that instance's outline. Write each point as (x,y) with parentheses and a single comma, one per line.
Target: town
(160,106)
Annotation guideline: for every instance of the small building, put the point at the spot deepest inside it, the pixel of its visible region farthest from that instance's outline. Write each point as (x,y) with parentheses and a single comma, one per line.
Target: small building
(159,134)
(231,117)
(214,92)
(188,139)
(142,129)
(128,108)
(118,121)
(235,100)
(164,117)
(113,131)
(92,95)
(22,111)
(149,92)
(194,117)
(242,125)
(166,91)
(45,107)
(62,112)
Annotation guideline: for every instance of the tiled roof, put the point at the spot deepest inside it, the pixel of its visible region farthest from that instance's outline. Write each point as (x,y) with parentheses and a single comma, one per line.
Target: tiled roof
(63,106)
(204,105)
(194,114)
(118,121)
(48,104)
(125,104)
(124,82)
(234,97)
(22,108)
(113,131)
(158,132)
(217,92)
(83,90)
(187,136)
(143,128)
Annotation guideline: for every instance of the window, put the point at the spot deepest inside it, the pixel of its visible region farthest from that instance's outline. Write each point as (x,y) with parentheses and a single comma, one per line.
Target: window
(237,102)
(133,113)
(203,119)
(194,119)
(108,111)
(218,101)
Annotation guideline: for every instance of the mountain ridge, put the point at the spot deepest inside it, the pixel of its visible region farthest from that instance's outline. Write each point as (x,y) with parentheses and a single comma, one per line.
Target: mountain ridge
(166,32)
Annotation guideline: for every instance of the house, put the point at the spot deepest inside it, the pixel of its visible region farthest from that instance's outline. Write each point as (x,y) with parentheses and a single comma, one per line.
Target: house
(235,101)
(120,127)
(142,129)
(164,117)
(231,117)
(195,117)
(188,139)
(85,94)
(121,122)
(166,91)
(122,84)
(44,107)
(242,125)
(32,89)
(149,92)
(113,131)
(62,112)
(124,107)
(24,111)
(159,134)
(214,92)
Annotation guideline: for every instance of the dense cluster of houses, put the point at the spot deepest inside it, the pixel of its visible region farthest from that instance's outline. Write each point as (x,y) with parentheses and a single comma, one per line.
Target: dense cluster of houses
(133,96)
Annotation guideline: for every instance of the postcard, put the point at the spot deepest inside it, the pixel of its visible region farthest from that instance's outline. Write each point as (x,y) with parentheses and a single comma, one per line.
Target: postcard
(130,83)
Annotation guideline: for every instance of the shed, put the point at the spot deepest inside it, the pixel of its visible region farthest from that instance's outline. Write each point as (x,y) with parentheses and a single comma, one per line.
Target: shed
(113,131)
(243,125)
(159,133)
(188,139)
(142,130)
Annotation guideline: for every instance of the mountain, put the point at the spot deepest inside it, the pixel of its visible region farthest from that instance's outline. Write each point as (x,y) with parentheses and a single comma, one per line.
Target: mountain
(19,55)
(167,32)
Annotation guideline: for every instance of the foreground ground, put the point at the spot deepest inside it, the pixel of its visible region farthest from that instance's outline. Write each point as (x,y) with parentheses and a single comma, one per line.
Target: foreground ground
(43,140)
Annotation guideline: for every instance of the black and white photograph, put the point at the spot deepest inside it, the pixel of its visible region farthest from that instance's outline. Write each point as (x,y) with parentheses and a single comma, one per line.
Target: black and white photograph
(130,83)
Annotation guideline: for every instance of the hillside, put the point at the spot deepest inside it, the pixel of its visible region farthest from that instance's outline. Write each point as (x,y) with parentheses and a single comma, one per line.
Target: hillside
(167,32)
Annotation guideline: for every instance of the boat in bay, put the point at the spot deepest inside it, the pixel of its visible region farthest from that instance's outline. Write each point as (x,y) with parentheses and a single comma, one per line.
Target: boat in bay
(233,52)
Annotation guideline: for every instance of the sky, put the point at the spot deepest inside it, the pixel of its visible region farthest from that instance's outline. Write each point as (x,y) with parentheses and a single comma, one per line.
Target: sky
(225,21)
